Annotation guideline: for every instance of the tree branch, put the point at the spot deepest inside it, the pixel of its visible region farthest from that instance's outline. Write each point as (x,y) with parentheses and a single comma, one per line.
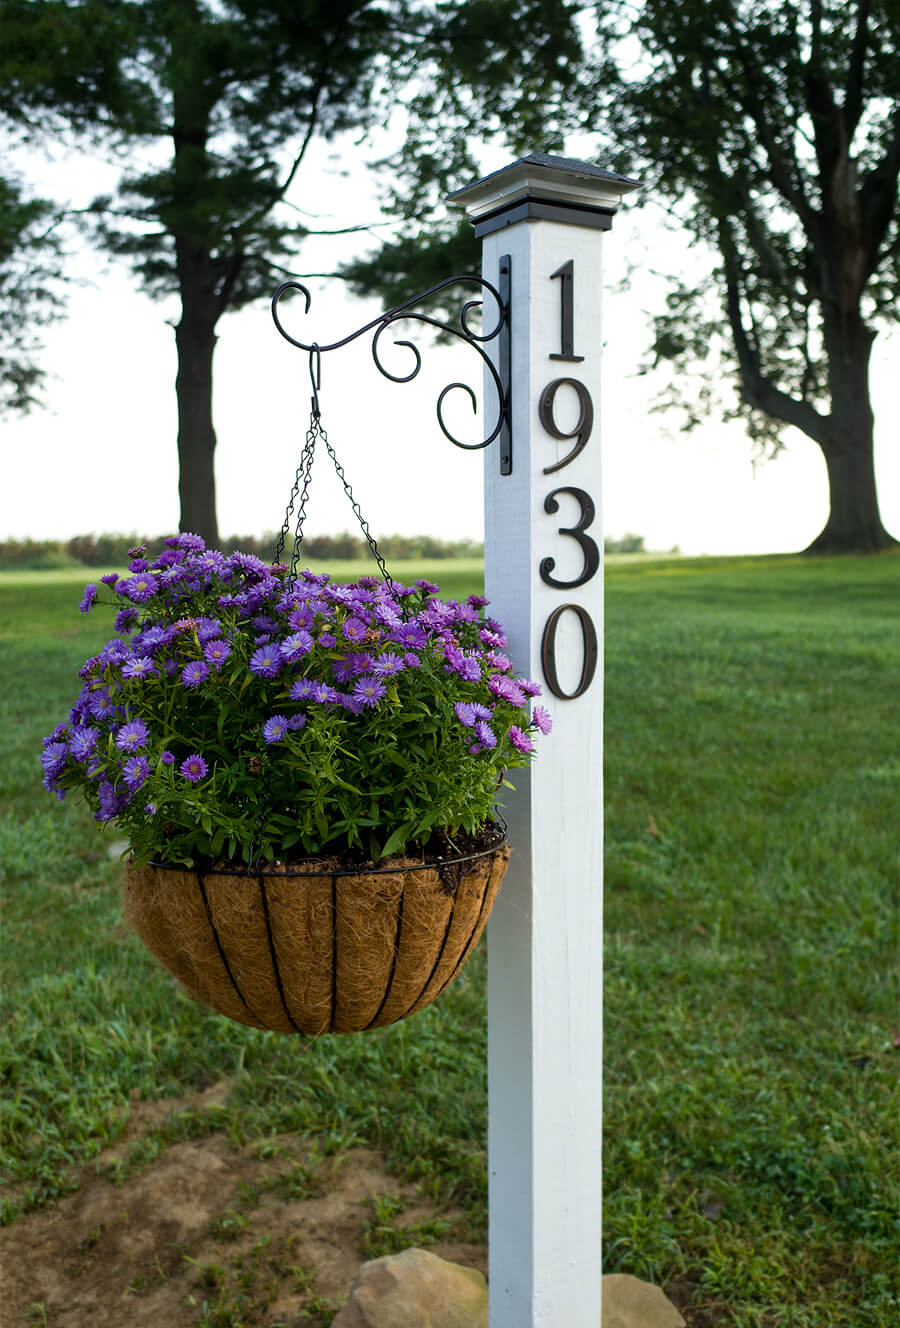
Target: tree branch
(878,197)
(757,389)
(853,88)
(784,171)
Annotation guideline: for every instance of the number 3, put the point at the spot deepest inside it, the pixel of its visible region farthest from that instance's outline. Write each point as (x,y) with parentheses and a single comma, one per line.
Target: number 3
(588,546)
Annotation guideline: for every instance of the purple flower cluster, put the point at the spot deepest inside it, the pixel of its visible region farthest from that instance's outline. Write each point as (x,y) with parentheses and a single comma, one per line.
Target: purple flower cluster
(224,669)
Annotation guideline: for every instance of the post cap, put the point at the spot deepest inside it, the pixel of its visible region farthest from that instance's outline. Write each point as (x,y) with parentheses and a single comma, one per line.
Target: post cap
(564,181)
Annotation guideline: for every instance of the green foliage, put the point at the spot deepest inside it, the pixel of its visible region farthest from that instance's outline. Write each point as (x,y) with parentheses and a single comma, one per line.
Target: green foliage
(30,296)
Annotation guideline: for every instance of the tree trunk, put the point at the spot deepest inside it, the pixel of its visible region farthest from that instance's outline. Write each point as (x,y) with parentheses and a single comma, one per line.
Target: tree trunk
(195,339)
(854,522)
(847,441)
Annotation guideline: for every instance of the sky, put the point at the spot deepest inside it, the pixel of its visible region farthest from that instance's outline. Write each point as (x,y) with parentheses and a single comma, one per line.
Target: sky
(101,456)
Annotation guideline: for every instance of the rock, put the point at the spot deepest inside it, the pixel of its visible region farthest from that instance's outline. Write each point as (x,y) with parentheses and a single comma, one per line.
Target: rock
(416,1289)
(630,1303)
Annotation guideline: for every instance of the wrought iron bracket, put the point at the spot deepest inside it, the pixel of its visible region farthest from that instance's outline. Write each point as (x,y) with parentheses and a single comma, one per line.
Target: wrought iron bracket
(498,329)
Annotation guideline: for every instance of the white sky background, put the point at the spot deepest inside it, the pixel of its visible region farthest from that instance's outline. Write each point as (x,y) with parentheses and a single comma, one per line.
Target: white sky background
(102,457)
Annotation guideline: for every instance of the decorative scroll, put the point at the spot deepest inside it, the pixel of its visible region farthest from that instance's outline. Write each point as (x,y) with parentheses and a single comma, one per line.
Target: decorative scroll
(406,311)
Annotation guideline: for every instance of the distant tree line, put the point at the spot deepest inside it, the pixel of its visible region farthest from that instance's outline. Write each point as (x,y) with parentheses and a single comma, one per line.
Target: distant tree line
(113,551)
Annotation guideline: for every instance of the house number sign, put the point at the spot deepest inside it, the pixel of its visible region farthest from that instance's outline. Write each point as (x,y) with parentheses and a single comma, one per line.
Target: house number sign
(579,434)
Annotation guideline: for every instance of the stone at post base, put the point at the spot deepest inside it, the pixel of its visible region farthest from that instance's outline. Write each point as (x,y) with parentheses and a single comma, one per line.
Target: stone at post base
(415,1289)
(630,1303)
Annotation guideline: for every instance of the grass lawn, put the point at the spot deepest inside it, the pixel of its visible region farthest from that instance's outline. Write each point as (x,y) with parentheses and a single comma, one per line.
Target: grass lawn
(752,812)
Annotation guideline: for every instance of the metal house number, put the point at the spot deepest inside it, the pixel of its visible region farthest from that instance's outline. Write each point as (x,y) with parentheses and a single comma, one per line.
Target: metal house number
(590,552)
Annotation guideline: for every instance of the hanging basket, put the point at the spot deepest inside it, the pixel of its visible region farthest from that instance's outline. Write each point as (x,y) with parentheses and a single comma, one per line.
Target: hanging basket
(313,947)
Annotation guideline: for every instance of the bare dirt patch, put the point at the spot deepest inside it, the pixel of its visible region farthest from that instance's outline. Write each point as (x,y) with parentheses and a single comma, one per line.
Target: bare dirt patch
(210,1234)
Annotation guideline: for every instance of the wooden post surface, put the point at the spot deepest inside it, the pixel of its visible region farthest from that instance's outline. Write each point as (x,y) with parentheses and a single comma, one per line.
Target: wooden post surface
(547,216)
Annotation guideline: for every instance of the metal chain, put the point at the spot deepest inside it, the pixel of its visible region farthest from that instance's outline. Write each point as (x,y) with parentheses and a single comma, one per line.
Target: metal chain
(304,476)
(364,525)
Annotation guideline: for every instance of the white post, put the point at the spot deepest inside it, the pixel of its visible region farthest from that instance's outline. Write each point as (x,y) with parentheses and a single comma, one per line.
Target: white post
(544,578)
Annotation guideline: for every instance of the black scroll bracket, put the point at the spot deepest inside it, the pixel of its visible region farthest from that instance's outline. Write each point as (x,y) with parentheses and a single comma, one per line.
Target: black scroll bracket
(499,368)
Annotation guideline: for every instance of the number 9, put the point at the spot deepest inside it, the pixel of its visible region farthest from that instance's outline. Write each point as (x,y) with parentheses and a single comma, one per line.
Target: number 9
(582,431)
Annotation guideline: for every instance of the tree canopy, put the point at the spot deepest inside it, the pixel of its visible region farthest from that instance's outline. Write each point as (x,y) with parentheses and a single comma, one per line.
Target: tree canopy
(771,132)
(225,97)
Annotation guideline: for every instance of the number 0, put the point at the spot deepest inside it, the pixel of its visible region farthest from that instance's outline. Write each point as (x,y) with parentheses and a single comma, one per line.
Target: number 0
(548,651)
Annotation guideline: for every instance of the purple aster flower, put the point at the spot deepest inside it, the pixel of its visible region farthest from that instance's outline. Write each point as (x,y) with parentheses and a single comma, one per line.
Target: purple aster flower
(210,561)
(90,594)
(138,565)
(427,587)
(194,768)
(110,802)
(135,771)
(275,728)
(139,588)
(485,734)
(53,758)
(100,705)
(492,638)
(520,739)
(139,666)
(265,662)
(83,742)
(208,629)
(466,666)
(360,662)
(295,646)
(192,674)
(124,619)
(541,719)
(216,652)
(328,640)
(354,630)
(412,636)
(507,690)
(530,688)
(154,637)
(302,690)
(322,694)
(411,660)
(465,713)
(192,542)
(300,619)
(167,758)
(342,669)
(500,662)
(482,711)
(388,665)
(246,562)
(296,722)
(110,579)
(150,808)
(352,704)
(477,601)
(263,623)
(132,736)
(368,689)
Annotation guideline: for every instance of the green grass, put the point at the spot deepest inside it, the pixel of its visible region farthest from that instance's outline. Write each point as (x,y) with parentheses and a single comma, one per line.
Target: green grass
(752,805)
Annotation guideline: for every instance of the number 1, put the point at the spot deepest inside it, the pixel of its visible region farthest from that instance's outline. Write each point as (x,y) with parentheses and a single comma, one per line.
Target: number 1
(566,312)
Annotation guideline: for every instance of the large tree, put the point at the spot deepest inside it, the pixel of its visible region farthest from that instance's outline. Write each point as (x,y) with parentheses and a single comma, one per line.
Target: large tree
(229,94)
(770,129)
